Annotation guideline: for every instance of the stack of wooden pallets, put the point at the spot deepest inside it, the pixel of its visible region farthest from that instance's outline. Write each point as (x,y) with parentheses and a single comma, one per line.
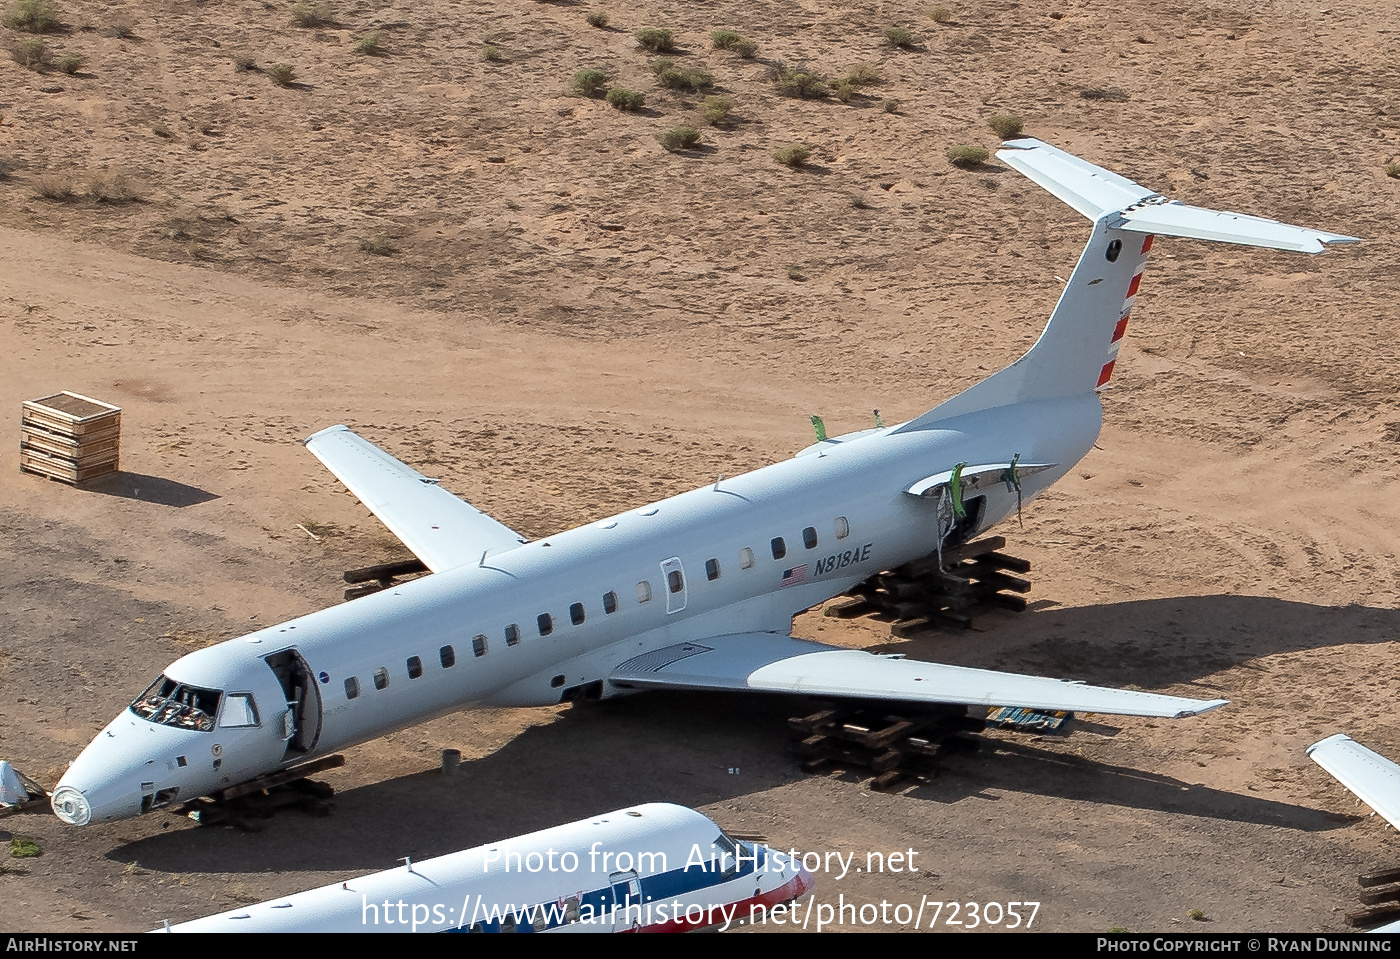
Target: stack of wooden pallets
(70,437)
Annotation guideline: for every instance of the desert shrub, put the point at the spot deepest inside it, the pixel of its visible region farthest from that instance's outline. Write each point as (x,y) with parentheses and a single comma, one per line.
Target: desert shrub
(590,83)
(795,273)
(1111,94)
(724,39)
(71,63)
(966,157)
(113,188)
(899,37)
(940,14)
(1005,125)
(379,245)
(31,16)
(793,156)
(369,45)
(843,90)
(282,74)
(54,186)
(313,14)
(244,62)
(31,53)
(653,40)
(890,106)
(1392,170)
(863,75)
(620,98)
(746,48)
(596,19)
(797,81)
(491,53)
(1198,915)
(22,848)
(161,130)
(680,138)
(681,78)
(715,110)
(8,165)
(121,31)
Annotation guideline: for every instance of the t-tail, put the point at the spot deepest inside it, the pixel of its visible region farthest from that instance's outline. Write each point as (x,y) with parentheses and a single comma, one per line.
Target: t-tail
(1076,352)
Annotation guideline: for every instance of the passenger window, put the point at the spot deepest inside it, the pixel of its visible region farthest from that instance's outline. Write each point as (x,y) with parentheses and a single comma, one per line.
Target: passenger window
(415,667)
(745,558)
(239,711)
(448,657)
(712,569)
(809,537)
(843,528)
(546,624)
(381,678)
(478,645)
(779,547)
(674,581)
(576,614)
(352,688)
(512,634)
(644,592)
(609,602)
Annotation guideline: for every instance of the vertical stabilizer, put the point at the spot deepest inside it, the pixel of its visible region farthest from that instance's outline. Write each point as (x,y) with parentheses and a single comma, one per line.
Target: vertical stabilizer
(1076,352)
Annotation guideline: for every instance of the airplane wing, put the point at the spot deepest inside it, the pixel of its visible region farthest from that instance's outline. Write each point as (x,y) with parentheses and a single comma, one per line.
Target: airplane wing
(770,662)
(1374,779)
(440,529)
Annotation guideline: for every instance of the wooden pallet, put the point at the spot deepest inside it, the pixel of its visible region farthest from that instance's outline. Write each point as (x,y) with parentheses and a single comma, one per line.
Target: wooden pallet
(893,747)
(1380,900)
(940,592)
(70,438)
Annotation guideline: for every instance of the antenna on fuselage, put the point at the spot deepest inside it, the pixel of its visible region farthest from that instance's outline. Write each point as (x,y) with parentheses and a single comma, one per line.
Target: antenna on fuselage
(717,481)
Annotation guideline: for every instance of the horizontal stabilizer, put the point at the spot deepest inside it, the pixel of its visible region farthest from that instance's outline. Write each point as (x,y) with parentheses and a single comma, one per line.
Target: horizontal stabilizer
(1374,779)
(1096,192)
(439,528)
(768,662)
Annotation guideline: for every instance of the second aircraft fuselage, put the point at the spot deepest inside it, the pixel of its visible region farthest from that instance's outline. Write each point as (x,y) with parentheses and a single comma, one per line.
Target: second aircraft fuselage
(535,624)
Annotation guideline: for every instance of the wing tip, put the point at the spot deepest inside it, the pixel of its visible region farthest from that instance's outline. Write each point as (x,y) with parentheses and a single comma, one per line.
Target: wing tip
(1205,707)
(1330,740)
(339,427)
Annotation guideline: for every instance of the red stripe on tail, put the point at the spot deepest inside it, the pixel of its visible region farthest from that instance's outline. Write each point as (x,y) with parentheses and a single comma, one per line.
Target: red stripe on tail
(1133,286)
(1147,242)
(1106,374)
(1119,330)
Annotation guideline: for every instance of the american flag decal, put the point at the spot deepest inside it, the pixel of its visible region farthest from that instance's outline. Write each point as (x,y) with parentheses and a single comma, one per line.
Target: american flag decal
(791,577)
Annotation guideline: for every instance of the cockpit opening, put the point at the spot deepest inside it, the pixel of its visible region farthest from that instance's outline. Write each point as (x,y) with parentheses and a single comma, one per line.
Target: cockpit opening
(168,703)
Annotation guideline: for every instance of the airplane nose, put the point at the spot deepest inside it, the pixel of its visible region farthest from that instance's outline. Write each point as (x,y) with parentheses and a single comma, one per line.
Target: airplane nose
(71,806)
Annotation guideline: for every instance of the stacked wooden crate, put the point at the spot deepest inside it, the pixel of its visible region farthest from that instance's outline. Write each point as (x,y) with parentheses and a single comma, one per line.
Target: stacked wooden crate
(70,437)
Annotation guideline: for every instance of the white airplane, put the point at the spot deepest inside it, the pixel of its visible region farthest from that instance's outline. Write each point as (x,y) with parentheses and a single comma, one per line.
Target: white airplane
(1374,779)
(651,868)
(697,591)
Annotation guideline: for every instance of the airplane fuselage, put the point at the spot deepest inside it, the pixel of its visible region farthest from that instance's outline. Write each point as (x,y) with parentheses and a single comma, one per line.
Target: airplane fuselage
(539,623)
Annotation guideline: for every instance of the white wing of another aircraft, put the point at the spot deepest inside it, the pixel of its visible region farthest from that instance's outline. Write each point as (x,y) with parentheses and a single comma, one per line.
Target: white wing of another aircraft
(1374,779)
(440,529)
(771,662)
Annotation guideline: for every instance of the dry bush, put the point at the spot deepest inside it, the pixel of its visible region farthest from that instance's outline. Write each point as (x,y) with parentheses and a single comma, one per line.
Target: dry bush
(746,48)
(243,63)
(113,188)
(681,138)
(724,39)
(31,53)
(673,77)
(313,14)
(793,156)
(281,74)
(653,40)
(863,75)
(798,81)
(966,156)
(31,16)
(716,110)
(596,19)
(1006,125)
(899,37)
(1392,170)
(491,53)
(620,98)
(379,245)
(590,83)
(940,14)
(71,63)
(890,106)
(54,186)
(369,45)
(161,130)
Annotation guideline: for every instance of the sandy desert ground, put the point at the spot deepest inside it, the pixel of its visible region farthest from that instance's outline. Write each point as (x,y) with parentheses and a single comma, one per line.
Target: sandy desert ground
(574,321)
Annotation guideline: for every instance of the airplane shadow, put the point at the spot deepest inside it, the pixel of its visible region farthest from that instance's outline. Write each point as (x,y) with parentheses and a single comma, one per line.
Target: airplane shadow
(703,748)
(152,489)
